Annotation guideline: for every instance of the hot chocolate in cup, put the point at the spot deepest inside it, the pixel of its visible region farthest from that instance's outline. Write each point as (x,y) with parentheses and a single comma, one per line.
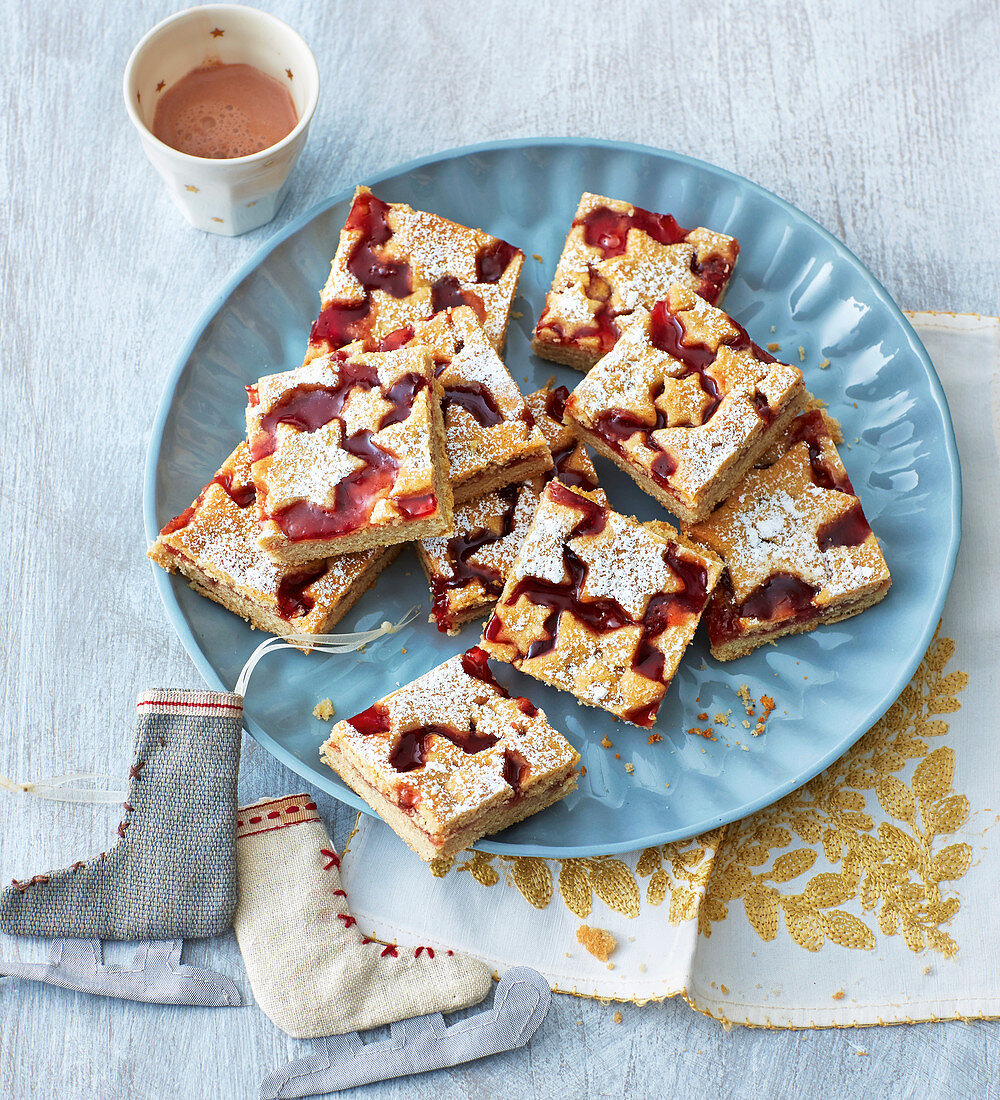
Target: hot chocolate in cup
(233,195)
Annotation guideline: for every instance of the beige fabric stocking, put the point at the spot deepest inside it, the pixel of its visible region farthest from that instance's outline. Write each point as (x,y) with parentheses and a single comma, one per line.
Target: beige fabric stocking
(312,971)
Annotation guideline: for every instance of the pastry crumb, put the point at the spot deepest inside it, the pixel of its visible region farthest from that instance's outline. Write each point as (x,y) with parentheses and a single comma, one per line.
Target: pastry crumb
(824,364)
(706,733)
(773,329)
(323,710)
(606,744)
(654,738)
(774,346)
(598,941)
(516,314)
(746,724)
(630,768)
(802,354)
(743,691)
(611,966)
(535,256)
(403,650)
(617,1017)
(724,989)
(703,716)
(583,769)
(839,995)
(722,718)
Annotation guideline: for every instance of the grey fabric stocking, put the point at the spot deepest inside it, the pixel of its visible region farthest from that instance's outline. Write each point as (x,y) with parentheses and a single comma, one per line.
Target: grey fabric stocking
(171,874)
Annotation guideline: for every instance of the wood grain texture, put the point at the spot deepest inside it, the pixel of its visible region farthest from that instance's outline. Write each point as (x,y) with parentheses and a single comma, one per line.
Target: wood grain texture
(877,118)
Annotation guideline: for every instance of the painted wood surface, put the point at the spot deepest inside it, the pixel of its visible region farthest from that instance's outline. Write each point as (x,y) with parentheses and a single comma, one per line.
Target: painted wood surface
(877,118)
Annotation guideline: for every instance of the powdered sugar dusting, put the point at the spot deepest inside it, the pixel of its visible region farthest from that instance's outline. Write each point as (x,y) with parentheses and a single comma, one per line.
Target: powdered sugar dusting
(625,563)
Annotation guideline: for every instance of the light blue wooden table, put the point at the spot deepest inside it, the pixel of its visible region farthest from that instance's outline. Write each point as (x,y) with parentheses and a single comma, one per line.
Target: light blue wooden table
(876,118)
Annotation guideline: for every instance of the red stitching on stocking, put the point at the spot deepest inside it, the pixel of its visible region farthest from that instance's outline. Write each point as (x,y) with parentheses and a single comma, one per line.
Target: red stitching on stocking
(340,893)
(348,920)
(78,865)
(256,820)
(391,952)
(127,808)
(135,772)
(429,950)
(122,826)
(273,814)
(161,742)
(20,887)
(451,952)
(183,703)
(291,809)
(332,857)
(364,939)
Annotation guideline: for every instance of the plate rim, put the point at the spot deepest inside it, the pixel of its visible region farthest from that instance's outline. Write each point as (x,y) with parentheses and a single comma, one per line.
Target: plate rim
(164,583)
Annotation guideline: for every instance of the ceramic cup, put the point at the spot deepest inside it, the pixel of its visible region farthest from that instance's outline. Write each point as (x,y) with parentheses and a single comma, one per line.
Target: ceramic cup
(222,196)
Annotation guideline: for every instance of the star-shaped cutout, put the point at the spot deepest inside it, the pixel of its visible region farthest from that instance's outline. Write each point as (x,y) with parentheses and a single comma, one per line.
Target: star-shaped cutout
(217,33)
(770,526)
(309,466)
(161,85)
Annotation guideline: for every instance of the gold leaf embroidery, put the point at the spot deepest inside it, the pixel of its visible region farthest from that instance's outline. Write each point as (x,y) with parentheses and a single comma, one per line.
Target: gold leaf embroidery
(933,776)
(659,886)
(761,904)
(615,885)
(574,886)
(791,865)
(534,879)
(481,870)
(893,870)
(441,866)
(649,862)
(845,929)
(952,863)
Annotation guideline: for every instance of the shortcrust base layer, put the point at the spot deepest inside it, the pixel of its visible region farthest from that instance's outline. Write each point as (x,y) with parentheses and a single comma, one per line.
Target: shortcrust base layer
(366,538)
(567,355)
(501,477)
(740,647)
(256,615)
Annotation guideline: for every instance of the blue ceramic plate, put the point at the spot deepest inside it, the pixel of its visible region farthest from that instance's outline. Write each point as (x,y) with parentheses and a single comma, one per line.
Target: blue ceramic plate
(796,285)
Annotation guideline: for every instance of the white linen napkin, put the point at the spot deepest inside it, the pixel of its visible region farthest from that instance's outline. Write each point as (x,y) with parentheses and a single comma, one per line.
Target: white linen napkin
(866,897)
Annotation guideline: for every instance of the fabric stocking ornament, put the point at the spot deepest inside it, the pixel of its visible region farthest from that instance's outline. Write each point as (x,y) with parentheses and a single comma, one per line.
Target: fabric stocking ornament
(171,872)
(312,971)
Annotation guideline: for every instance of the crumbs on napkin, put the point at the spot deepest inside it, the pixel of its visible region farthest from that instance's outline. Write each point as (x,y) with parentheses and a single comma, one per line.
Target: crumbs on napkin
(598,941)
